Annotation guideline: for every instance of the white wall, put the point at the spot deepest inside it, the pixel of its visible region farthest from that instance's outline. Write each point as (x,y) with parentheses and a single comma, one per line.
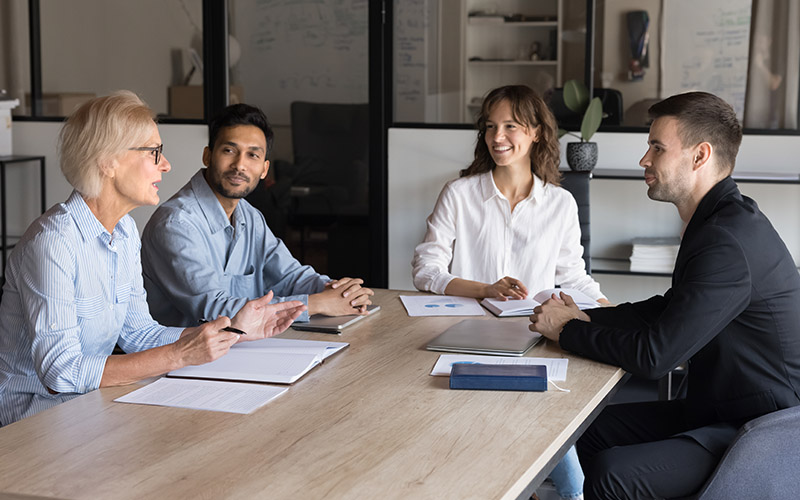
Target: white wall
(99,46)
(422,160)
(183,147)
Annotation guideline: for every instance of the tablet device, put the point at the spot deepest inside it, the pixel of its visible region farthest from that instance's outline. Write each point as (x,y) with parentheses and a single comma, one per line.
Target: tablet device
(332,324)
(475,336)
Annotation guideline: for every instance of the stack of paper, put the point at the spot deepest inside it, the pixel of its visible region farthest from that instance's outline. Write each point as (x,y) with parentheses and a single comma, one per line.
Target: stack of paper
(524,307)
(276,360)
(654,255)
(211,395)
(486,19)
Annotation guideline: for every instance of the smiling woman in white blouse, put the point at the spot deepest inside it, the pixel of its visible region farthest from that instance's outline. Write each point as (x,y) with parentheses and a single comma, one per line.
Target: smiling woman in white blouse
(505,228)
(74,281)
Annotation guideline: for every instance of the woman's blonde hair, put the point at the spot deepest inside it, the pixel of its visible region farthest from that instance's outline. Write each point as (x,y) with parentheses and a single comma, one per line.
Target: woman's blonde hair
(530,110)
(98,132)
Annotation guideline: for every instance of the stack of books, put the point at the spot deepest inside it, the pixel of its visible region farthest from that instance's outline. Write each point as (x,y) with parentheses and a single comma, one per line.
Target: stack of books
(654,255)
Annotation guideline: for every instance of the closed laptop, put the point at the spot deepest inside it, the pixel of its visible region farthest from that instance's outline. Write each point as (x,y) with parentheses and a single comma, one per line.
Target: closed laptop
(474,336)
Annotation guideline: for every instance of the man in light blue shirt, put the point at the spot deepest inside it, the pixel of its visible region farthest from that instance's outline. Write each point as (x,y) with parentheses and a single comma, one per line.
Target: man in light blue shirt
(206,251)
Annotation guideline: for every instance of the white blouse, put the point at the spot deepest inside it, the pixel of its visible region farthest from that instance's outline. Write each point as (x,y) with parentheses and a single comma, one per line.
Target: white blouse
(473,234)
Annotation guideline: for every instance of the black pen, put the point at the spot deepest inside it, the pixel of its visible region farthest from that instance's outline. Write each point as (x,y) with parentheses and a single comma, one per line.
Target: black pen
(227,328)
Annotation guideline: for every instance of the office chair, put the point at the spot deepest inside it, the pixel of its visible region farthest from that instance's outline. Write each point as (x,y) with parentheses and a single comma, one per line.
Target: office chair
(331,150)
(762,462)
(330,181)
(577,183)
(568,119)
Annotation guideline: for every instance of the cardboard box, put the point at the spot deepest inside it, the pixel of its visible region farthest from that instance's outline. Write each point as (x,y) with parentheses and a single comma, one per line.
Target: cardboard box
(186,101)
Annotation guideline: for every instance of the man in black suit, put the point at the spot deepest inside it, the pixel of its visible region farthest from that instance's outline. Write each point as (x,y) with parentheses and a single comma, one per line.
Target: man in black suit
(732,314)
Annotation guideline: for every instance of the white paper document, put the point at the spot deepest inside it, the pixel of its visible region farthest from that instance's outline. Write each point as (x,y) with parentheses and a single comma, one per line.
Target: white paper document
(556,367)
(211,395)
(441,305)
(274,360)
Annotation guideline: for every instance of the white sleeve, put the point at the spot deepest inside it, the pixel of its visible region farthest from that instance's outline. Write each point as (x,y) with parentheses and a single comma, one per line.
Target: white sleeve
(432,258)
(570,267)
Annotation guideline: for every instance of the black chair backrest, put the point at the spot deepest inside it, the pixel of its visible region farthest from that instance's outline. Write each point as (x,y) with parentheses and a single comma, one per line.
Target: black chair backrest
(566,118)
(330,131)
(577,183)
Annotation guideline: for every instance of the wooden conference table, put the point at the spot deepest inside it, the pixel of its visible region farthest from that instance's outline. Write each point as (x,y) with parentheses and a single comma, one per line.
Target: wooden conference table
(370,422)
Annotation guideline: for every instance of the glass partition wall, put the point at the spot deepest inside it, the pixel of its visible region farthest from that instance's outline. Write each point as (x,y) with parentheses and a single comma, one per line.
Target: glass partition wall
(449,53)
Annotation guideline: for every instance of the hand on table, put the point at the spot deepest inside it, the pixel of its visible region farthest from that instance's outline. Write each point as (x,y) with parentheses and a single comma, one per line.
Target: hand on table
(341,297)
(506,288)
(550,317)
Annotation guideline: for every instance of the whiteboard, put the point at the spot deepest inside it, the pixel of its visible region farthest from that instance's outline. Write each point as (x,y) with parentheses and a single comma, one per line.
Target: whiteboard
(706,45)
(301,50)
(411,65)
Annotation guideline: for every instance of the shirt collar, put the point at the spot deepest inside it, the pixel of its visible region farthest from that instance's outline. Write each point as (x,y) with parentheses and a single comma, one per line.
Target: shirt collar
(210,205)
(489,188)
(87,223)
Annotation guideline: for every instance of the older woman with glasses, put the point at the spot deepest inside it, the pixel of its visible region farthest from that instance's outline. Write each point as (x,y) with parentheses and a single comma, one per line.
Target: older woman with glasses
(74,281)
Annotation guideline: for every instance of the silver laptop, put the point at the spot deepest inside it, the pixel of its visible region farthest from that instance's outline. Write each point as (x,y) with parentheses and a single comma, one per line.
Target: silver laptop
(332,324)
(475,336)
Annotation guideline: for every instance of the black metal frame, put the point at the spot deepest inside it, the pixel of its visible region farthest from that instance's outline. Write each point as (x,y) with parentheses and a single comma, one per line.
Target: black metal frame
(381,15)
(216,84)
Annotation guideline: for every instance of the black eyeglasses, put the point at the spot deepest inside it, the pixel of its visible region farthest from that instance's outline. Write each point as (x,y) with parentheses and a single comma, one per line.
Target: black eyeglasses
(158,150)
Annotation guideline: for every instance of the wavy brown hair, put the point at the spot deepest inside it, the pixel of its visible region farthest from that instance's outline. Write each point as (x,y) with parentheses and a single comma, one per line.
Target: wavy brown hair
(529,110)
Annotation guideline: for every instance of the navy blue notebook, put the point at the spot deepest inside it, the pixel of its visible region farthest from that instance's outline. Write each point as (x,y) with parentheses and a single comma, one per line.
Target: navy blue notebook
(498,377)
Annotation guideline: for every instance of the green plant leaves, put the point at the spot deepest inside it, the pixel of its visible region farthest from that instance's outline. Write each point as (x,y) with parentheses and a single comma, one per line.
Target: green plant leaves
(591,119)
(576,96)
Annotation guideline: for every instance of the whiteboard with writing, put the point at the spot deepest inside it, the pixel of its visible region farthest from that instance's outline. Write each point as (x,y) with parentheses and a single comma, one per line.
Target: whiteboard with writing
(706,47)
(301,50)
(411,67)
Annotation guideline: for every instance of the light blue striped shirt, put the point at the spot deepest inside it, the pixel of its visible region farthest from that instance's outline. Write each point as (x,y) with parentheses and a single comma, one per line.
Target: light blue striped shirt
(199,265)
(72,292)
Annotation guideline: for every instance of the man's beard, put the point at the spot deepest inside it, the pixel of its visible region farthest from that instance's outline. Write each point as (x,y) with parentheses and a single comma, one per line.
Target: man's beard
(242,192)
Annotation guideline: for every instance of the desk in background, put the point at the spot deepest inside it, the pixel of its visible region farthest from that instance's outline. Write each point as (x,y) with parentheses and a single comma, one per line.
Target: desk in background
(5,160)
(368,423)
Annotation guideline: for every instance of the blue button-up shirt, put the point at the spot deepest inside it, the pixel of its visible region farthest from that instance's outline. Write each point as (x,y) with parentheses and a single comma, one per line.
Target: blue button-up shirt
(198,264)
(72,292)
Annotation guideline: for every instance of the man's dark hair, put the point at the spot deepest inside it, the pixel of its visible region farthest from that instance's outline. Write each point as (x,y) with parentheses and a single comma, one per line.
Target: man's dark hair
(704,117)
(239,114)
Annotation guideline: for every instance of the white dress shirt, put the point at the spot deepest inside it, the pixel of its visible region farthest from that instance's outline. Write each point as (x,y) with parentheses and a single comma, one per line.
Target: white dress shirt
(473,234)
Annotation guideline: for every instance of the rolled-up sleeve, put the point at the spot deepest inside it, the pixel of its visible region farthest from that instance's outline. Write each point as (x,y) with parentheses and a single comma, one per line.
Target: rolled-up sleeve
(290,280)
(432,257)
(570,266)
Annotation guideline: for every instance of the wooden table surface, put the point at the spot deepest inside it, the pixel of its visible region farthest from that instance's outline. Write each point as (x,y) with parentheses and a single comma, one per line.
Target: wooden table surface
(370,422)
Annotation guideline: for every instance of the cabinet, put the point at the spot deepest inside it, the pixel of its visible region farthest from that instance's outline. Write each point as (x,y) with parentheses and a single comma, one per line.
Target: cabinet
(512,42)
(621,266)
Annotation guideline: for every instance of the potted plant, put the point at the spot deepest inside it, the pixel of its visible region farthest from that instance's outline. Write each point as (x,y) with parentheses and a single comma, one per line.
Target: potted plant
(582,156)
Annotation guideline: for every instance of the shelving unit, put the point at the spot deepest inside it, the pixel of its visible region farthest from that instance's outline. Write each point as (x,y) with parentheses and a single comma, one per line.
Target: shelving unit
(497,47)
(5,244)
(622,266)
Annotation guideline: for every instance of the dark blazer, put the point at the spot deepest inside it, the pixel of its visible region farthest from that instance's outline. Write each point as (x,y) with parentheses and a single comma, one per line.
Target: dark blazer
(733,313)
